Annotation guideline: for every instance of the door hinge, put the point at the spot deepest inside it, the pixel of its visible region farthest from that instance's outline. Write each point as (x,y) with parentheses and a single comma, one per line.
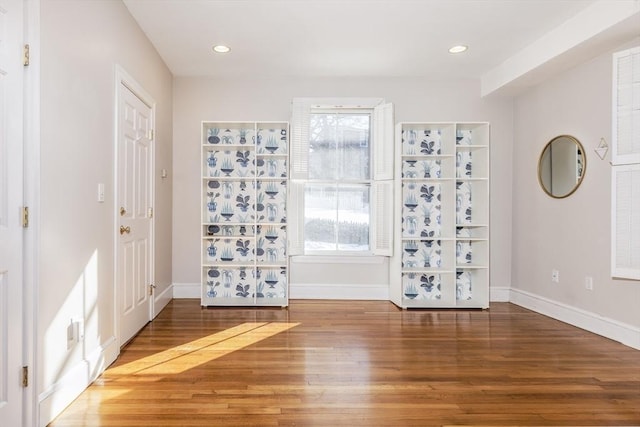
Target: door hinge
(150,134)
(151,288)
(25,376)
(25,55)
(25,217)
(150,213)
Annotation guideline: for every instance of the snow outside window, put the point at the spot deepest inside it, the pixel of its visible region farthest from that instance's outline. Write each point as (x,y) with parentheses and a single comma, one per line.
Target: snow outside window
(335,205)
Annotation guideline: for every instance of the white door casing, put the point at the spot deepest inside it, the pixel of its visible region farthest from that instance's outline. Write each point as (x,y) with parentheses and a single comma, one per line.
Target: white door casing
(11,200)
(134,204)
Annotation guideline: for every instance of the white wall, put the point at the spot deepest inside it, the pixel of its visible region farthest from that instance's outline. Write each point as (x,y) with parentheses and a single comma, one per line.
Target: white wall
(198,99)
(81,41)
(571,235)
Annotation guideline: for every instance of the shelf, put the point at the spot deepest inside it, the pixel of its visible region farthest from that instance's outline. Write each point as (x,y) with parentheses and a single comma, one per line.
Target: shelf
(429,179)
(244,168)
(229,264)
(442,256)
(426,156)
(227,147)
(278,155)
(427,271)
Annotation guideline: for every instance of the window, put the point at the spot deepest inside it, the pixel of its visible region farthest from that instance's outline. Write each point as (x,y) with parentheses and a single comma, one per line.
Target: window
(339,173)
(337,211)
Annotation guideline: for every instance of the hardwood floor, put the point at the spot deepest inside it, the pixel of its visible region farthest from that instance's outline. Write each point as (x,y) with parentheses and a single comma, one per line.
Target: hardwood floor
(355,363)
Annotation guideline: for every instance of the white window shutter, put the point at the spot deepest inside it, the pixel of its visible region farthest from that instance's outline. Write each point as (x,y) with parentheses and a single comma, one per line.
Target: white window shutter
(383,142)
(625,147)
(383,218)
(625,233)
(299,156)
(295,213)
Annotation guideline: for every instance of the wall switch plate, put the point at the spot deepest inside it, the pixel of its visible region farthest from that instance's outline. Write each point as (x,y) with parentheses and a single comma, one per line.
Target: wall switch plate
(555,276)
(588,283)
(101,193)
(71,334)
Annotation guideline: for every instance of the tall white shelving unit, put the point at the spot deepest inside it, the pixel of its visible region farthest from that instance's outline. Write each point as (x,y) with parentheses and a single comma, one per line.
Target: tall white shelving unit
(245,167)
(441,256)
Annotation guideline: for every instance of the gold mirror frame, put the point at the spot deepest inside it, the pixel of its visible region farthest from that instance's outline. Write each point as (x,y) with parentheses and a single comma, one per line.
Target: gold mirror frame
(581,161)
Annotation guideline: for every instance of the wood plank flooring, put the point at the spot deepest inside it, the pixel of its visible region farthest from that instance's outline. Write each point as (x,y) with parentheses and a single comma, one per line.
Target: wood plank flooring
(361,363)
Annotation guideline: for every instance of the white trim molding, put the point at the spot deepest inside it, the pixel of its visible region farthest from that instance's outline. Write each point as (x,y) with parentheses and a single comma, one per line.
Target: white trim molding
(626,334)
(161,300)
(187,290)
(59,395)
(499,294)
(339,291)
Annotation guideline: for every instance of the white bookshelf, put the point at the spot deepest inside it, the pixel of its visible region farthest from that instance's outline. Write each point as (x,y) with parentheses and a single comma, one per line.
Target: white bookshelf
(442,216)
(244,217)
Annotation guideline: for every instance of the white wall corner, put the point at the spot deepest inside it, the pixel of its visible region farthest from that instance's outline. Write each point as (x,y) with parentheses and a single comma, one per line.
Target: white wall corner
(59,395)
(592,322)
(499,293)
(187,290)
(599,27)
(339,291)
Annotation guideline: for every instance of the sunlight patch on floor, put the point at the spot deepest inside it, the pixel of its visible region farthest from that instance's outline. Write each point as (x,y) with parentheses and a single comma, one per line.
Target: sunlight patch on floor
(195,353)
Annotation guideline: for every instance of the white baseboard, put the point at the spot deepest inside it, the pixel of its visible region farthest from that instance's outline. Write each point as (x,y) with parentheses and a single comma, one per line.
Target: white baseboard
(187,290)
(592,322)
(499,294)
(162,299)
(306,291)
(58,396)
(339,291)
(330,291)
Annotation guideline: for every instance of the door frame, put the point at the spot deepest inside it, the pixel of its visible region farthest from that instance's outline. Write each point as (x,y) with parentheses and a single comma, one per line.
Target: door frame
(31,195)
(122,77)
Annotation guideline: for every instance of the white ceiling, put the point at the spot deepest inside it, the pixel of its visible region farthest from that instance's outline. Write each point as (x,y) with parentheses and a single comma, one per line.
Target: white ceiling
(400,38)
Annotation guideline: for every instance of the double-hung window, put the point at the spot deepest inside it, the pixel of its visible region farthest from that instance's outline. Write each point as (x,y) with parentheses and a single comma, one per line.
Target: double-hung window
(340,198)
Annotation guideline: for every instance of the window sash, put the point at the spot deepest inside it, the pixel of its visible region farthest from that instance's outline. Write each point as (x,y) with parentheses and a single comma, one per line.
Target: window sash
(382,148)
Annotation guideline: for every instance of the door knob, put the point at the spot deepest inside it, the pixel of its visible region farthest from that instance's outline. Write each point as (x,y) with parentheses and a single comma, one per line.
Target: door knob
(124,229)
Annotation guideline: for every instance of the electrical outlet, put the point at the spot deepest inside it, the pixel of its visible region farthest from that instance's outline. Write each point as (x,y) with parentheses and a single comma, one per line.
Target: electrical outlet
(588,283)
(555,276)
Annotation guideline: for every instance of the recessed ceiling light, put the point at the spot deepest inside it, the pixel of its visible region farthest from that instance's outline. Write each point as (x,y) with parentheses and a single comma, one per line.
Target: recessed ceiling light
(458,49)
(220,48)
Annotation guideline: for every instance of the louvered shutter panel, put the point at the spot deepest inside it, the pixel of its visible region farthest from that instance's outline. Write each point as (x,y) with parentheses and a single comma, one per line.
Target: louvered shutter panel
(625,173)
(299,156)
(383,218)
(383,142)
(625,233)
(626,107)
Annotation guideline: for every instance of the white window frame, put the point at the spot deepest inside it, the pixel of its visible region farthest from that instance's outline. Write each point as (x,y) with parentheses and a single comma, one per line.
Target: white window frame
(382,148)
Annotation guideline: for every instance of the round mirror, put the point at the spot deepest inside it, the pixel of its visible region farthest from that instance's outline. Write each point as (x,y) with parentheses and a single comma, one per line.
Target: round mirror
(561,167)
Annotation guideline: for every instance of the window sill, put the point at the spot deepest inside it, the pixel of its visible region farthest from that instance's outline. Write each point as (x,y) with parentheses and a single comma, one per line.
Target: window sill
(344,259)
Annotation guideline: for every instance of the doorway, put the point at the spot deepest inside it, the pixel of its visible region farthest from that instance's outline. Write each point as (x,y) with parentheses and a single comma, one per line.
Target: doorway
(135,114)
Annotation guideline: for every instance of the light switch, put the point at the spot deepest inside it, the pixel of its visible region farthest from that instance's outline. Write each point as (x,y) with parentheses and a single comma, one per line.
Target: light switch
(101,193)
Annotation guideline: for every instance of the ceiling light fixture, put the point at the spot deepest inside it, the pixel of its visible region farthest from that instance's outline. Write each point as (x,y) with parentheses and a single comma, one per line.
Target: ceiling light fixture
(458,49)
(220,48)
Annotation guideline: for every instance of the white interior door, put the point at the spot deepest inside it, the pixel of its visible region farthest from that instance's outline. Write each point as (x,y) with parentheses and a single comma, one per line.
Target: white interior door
(134,217)
(11,199)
